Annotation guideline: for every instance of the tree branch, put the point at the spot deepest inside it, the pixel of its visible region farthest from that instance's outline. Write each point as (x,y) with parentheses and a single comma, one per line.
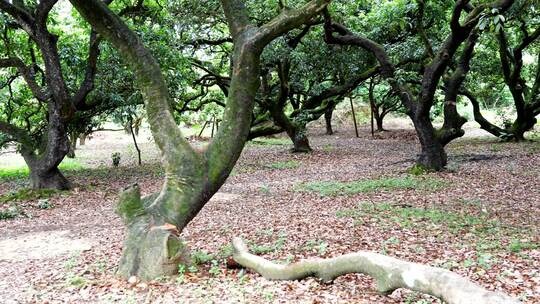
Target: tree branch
(42,12)
(23,18)
(289,19)
(87,85)
(389,272)
(237,17)
(28,76)
(482,121)
(18,134)
(346,37)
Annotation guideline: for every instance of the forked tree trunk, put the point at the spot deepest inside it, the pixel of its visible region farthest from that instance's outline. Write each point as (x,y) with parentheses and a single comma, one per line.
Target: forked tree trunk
(153,247)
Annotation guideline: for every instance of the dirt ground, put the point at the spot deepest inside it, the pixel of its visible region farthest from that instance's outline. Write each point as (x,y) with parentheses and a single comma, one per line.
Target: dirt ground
(481,219)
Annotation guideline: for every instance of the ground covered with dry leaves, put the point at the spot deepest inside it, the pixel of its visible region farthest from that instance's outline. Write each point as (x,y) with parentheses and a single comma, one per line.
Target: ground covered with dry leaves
(480,219)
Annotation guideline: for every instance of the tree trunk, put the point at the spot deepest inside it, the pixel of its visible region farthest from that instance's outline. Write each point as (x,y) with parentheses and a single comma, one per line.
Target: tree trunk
(82,139)
(43,165)
(153,247)
(516,132)
(379,119)
(432,157)
(72,145)
(133,135)
(48,178)
(521,125)
(299,137)
(71,152)
(301,144)
(354,117)
(328,119)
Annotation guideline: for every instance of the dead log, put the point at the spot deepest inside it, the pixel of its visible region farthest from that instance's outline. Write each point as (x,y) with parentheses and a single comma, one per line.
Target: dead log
(390,274)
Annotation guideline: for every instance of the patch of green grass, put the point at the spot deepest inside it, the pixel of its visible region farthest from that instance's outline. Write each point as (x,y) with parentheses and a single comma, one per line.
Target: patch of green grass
(265,189)
(28,194)
(67,164)
(497,147)
(45,204)
(418,170)
(390,241)
(269,248)
(328,148)
(319,245)
(269,141)
(517,246)
(481,261)
(10,213)
(333,188)
(70,263)
(226,251)
(76,281)
(291,164)
(201,257)
(420,218)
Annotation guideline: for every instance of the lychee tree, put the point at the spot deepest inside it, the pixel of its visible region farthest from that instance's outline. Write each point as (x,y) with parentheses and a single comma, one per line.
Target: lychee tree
(153,246)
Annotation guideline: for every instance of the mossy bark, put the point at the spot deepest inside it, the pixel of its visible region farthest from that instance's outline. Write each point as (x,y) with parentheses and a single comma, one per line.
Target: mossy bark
(153,246)
(521,125)
(300,140)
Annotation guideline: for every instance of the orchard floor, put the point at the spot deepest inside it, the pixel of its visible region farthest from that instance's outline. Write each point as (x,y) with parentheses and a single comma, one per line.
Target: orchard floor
(481,219)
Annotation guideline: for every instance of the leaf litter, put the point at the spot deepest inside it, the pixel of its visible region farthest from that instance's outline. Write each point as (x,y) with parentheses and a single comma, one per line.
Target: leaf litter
(483,224)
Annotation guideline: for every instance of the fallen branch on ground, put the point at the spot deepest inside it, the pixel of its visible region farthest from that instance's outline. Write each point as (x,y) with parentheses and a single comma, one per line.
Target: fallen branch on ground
(389,272)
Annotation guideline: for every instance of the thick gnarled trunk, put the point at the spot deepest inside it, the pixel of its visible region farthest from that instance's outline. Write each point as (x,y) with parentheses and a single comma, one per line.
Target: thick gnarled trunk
(462,29)
(153,246)
(43,163)
(301,141)
(432,155)
(48,178)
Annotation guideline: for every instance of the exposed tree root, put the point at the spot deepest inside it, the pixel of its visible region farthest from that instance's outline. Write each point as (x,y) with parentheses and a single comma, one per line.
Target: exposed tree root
(389,272)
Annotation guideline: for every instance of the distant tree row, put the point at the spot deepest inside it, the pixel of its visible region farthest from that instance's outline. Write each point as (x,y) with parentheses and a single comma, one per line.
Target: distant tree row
(59,79)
